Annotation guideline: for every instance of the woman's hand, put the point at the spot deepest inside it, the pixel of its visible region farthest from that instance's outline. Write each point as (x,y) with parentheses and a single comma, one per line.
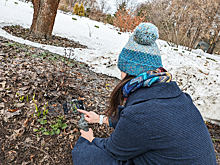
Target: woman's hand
(87,135)
(90,116)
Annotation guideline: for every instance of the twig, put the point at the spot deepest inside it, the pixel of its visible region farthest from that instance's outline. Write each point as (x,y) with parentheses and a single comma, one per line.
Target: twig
(29,145)
(90,33)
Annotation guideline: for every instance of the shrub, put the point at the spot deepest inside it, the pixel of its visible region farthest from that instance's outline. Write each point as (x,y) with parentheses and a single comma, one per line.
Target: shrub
(96,14)
(63,7)
(81,10)
(126,21)
(109,19)
(76,9)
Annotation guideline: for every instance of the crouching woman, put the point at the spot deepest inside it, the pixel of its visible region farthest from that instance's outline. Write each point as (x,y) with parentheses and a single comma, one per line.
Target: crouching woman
(158,124)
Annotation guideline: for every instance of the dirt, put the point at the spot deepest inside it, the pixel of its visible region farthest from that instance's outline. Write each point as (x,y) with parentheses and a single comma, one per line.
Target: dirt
(27,72)
(24,33)
(32,79)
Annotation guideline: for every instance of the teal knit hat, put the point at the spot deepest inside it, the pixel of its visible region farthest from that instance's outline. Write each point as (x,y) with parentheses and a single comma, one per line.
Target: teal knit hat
(141,52)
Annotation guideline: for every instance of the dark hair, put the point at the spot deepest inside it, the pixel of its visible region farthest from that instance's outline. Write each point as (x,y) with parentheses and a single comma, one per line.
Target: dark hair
(116,97)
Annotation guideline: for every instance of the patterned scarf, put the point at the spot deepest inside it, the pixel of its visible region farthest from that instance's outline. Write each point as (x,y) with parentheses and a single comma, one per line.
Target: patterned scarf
(146,79)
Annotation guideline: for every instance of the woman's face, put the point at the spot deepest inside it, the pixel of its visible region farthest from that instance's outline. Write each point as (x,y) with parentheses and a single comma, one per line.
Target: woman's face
(123,75)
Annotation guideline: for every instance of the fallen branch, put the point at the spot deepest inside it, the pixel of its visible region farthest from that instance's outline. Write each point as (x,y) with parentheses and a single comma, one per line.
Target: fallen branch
(29,145)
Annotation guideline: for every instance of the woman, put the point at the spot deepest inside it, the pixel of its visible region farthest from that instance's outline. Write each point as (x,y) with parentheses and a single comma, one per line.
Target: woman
(159,124)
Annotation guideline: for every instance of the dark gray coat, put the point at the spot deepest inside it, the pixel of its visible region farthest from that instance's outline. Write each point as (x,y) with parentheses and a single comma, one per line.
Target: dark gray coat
(158,126)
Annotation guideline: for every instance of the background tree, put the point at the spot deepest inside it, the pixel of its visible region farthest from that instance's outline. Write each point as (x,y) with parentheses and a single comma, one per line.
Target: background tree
(44,17)
(76,9)
(81,10)
(185,22)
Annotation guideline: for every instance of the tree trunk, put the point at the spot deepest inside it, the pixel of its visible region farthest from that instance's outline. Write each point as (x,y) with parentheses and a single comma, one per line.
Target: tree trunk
(44,16)
(212,43)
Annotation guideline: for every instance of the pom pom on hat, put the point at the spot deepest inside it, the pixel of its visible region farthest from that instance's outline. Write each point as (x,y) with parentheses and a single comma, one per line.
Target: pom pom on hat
(141,52)
(146,33)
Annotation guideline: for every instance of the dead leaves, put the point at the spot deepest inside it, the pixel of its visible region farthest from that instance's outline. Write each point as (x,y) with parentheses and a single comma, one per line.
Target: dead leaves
(13,110)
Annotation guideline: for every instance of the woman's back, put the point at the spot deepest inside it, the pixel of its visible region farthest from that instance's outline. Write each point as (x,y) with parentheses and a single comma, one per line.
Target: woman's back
(166,124)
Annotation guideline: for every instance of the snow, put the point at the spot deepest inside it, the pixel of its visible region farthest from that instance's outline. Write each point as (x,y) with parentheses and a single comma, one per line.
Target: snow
(197,73)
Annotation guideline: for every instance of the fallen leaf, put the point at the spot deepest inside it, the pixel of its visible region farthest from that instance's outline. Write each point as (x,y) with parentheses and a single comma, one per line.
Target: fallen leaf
(80,98)
(54,105)
(75,130)
(13,110)
(31,157)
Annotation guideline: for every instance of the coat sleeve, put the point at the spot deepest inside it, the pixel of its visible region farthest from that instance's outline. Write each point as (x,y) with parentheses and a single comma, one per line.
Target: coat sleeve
(128,139)
(113,121)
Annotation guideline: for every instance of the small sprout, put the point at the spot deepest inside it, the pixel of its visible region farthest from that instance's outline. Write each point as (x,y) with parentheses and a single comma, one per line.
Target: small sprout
(96,26)
(45,94)
(33,97)
(16,3)
(165,45)
(175,49)
(119,32)
(31,6)
(21,98)
(74,19)
(183,51)
(36,130)
(27,98)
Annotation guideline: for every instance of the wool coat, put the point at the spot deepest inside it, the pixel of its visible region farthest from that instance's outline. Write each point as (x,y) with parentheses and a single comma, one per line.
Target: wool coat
(159,125)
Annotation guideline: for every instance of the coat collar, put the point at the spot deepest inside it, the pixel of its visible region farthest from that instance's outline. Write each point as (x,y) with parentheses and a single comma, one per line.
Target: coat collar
(156,91)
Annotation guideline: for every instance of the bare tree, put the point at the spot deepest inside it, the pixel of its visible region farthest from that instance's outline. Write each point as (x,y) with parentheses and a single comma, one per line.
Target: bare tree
(104,7)
(44,17)
(185,22)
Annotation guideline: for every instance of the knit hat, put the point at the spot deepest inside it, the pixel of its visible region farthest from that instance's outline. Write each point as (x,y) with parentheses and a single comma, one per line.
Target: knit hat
(141,52)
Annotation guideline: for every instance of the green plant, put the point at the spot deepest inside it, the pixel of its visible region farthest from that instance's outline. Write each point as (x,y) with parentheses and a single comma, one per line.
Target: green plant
(43,120)
(27,98)
(74,19)
(58,125)
(45,112)
(16,3)
(96,26)
(21,98)
(54,128)
(33,97)
(37,110)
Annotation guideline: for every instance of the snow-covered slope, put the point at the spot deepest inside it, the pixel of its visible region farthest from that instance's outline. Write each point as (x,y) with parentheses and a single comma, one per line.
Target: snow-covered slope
(197,74)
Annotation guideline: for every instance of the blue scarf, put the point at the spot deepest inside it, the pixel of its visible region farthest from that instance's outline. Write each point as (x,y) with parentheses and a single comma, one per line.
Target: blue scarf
(146,79)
